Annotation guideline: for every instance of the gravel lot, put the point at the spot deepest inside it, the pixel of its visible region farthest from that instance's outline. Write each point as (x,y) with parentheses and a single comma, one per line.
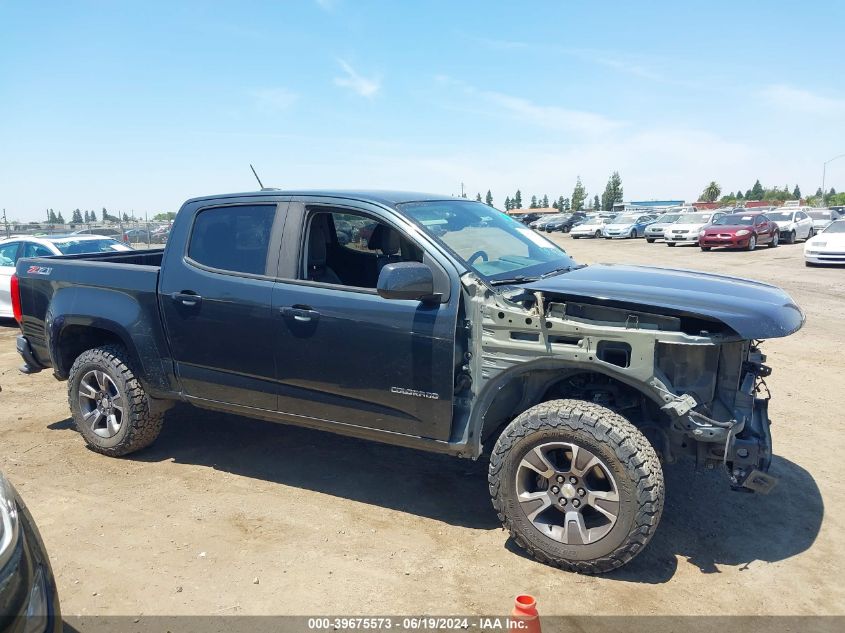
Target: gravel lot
(233,516)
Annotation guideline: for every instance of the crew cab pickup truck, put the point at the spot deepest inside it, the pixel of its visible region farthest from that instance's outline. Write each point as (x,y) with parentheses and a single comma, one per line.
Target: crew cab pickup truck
(429,322)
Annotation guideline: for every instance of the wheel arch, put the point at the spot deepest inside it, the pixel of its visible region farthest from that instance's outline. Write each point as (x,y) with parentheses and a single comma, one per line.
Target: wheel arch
(523,386)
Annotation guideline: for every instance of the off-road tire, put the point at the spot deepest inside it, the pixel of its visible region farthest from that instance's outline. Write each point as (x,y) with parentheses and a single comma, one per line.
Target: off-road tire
(140,427)
(630,457)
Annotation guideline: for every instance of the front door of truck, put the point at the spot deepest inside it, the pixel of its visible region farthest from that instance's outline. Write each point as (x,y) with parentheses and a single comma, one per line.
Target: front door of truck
(346,355)
(215,295)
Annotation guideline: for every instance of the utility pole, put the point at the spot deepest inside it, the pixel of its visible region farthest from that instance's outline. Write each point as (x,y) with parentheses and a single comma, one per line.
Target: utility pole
(6,224)
(463,195)
(824,173)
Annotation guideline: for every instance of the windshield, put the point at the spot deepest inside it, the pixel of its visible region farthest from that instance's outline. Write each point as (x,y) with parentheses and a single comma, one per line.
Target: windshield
(75,247)
(668,218)
(785,216)
(695,218)
(819,215)
(494,245)
(836,227)
(735,219)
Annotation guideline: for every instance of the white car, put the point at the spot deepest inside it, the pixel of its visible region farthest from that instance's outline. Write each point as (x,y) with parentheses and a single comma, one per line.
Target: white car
(793,224)
(823,217)
(14,248)
(828,247)
(591,227)
(685,229)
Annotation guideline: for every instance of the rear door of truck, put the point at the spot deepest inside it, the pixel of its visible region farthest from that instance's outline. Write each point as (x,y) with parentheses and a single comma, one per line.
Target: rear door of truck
(215,295)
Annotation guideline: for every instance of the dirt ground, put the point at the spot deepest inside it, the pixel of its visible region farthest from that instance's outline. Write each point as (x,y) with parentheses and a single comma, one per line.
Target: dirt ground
(225,515)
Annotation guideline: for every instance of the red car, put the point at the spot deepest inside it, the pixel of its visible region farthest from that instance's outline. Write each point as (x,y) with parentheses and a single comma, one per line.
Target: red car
(739,230)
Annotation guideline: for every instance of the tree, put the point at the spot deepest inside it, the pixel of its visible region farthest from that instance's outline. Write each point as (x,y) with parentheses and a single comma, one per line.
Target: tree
(105,214)
(748,194)
(566,205)
(560,203)
(578,195)
(555,205)
(60,219)
(125,217)
(711,192)
(489,199)
(51,217)
(517,200)
(757,191)
(596,203)
(545,201)
(533,202)
(508,203)
(739,195)
(612,192)
(77,217)
(796,193)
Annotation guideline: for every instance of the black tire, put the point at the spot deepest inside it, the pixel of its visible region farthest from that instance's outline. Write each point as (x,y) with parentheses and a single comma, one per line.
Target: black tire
(706,248)
(811,234)
(752,243)
(791,238)
(775,240)
(623,450)
(597,234)
(670,243)
(139,427)
(650,240)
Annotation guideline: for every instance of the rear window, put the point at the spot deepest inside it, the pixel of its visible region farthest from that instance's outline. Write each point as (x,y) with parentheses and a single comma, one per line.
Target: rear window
(78,247)
(234,238)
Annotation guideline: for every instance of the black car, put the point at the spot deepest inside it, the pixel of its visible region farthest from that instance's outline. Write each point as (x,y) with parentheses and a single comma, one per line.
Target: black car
(528,218)
(566,223)
(28,598)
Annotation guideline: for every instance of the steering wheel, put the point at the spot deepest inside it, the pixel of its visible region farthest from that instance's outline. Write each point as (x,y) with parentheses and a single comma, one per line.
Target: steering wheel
(476,255)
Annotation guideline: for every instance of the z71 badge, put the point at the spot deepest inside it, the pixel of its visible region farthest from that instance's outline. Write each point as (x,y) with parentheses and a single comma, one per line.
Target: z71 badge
(39,270)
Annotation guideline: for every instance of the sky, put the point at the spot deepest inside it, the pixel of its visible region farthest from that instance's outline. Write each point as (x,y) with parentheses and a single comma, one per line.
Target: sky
(139,106)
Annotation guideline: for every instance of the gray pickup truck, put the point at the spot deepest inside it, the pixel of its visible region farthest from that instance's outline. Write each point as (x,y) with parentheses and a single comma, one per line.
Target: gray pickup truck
(429,322)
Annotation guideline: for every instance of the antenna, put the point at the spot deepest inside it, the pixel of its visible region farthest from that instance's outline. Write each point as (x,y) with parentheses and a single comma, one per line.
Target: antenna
(260,184)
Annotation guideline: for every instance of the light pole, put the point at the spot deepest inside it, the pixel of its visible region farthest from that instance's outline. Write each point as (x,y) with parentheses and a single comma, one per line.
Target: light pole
(824,173)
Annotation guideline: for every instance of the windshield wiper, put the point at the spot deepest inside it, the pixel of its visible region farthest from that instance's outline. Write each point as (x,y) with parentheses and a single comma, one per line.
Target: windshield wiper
(518,279)
(557,271)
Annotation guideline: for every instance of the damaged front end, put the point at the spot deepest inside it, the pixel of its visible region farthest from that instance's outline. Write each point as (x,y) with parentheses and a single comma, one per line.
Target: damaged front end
(693,384)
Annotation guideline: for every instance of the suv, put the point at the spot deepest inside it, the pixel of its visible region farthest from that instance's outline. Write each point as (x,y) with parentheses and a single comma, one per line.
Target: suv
(440,324)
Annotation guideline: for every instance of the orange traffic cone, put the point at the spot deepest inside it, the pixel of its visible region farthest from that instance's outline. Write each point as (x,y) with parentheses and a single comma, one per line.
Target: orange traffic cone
(525,614)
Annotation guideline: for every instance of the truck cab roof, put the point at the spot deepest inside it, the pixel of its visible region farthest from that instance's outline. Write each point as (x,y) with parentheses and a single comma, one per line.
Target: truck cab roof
(375,196)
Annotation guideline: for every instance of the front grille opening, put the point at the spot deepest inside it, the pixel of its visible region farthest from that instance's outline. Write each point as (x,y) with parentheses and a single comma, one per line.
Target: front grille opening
(614,353)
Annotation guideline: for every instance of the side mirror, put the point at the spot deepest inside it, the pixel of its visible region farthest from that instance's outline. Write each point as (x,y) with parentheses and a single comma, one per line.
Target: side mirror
(406,280)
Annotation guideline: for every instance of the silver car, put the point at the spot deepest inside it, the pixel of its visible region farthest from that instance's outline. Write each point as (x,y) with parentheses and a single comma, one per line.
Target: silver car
(654,232)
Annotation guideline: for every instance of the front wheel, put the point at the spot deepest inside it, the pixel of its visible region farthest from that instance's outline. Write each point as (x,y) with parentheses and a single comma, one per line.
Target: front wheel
(791,238)
(775,240)
(752,243)
(650,240)
(706,248)
(670,243)
(576,485)
(109,406)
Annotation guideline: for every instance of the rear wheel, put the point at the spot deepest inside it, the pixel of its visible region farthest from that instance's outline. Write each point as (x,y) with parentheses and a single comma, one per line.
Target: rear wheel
(811,233)
(576,485)
(597,234)
(110,408)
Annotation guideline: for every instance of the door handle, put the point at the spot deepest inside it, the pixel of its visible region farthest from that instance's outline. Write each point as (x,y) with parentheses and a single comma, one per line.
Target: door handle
(186,298)
(303,314)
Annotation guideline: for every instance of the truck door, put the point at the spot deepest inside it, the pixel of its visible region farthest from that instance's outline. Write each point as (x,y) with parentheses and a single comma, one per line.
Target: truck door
(343,353)
(215,294)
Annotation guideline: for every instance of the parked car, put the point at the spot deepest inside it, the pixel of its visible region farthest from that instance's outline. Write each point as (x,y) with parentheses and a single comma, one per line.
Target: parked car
(627,225)
(160,235)
(794,224)
(828,247)
(528,218)
(29,600)
(823,217)
(739,230)
(565,222)
(541,223)
(590,227)
(654,231)
(137,236)
(364,342)
(685,229)
(14,248)
(103,230)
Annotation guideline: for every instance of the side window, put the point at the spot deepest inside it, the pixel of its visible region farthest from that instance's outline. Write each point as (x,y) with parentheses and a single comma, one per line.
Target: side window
(350,249)
(8,254)
(761,219)
(234,238)
(35,250)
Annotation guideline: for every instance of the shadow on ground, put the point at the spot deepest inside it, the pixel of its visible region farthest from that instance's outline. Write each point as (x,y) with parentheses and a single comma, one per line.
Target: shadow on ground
(703,521)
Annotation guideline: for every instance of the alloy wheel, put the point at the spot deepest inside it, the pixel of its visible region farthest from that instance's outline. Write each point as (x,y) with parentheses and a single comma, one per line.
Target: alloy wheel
(101,403)
(568,493)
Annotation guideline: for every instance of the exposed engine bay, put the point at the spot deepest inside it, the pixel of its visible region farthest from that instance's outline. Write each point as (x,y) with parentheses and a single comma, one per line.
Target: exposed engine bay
(691,384)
